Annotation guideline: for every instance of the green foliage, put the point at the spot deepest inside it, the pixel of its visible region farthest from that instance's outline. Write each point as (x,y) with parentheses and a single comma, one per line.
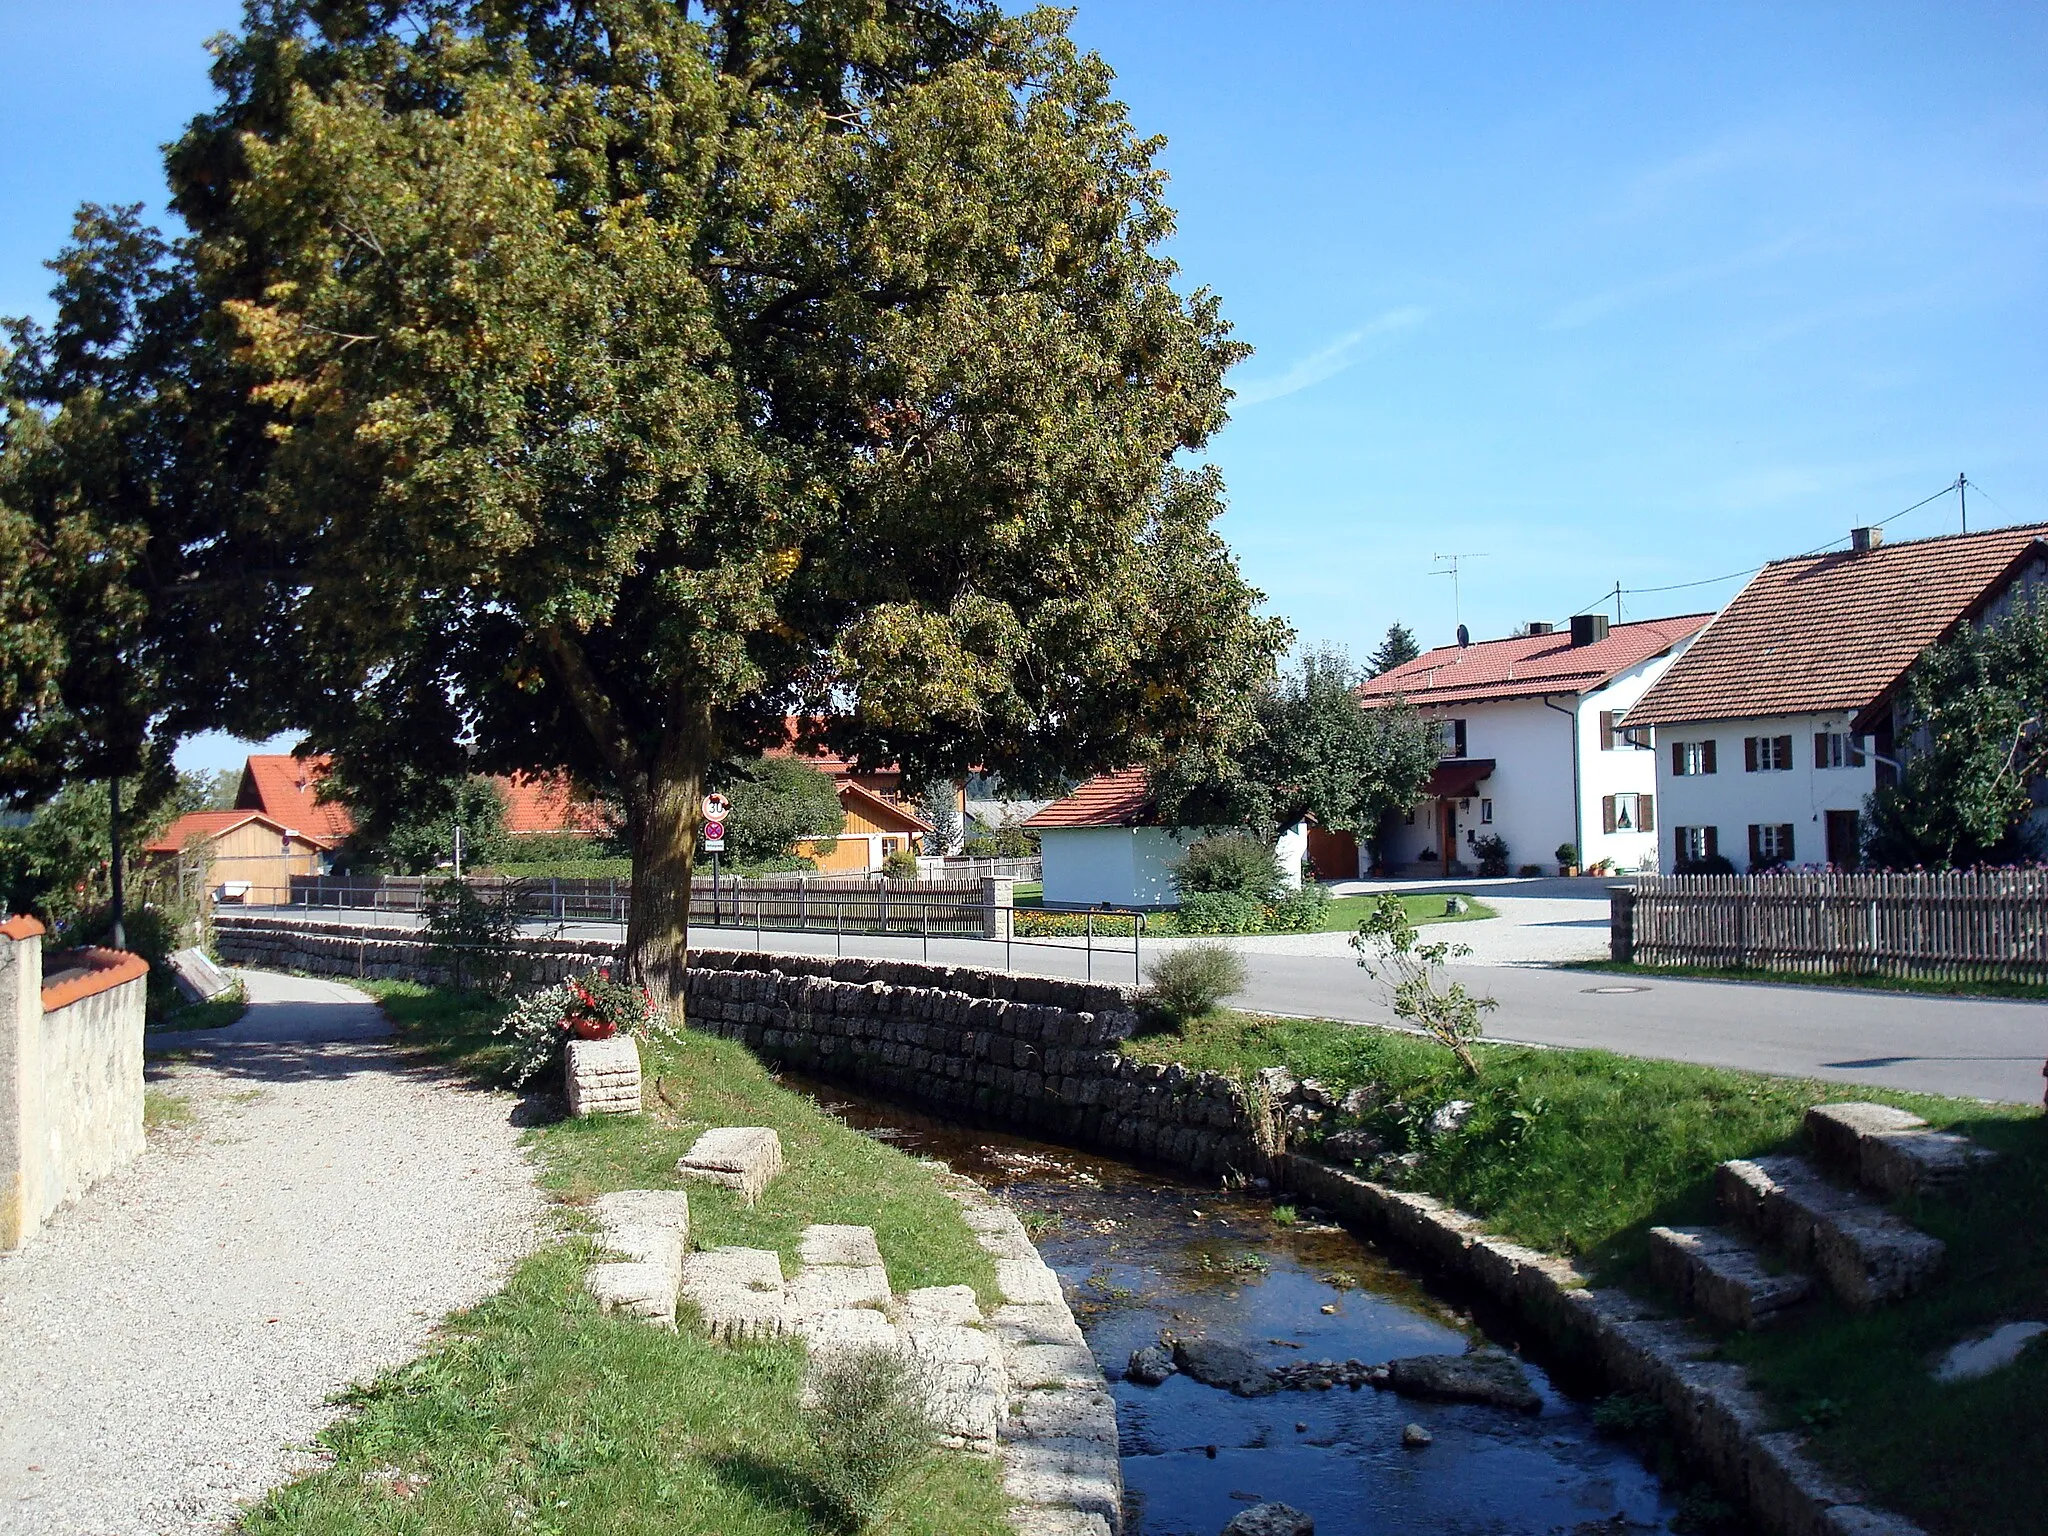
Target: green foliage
(565,869)
(551,848)
(768,372)
(940,805)
(901,865)
(1220,912)
(1974,742)
(1492,850)
(1567,855)
(1231,864)
(422,838)
(540,1024)
(1396,650)
(1302,911)
(777,802)
(59,863)
(869,1430)
(1005,840)
(1191,980)
(1411,973)
(1712,864)
(473,933)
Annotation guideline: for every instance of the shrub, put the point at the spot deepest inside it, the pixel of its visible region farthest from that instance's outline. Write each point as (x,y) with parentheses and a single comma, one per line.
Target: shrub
(1233,864)
(1712,864)
(1220,912)
(1032,923)
(1493,854)
(1299,911)
(1567,855)
(1190,980)
(1529,870)
(869,1428)
(900,865)
(473,934)
(1411,973)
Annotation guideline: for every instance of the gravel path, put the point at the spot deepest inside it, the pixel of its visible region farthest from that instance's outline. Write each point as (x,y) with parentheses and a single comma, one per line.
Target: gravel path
(169,1344)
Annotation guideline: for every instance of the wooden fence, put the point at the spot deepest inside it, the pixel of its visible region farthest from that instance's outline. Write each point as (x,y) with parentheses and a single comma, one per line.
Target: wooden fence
(1974,925)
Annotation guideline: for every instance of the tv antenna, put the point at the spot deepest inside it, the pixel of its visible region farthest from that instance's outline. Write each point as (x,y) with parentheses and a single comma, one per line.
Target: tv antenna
(1457,605)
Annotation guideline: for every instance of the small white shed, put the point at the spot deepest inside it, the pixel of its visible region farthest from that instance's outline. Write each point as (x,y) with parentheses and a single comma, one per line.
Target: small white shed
(1100,844)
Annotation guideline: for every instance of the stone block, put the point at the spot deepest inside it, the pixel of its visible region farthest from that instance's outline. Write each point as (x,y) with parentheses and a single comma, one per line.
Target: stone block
(738,1291)
(846,1329)
(742,1158)
(1067,1415)
(1078,1475)
(1038,1520)
(942,1304)
(1041,1324)
(959,1371)
(821,1288)
(1042,1367)
(1029,1282)
(1722,1275)
(1863,1520)
(822,1244)
(603,1076)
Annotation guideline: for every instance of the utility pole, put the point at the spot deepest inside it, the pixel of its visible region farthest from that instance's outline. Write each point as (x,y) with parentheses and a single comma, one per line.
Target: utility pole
(120,933)
(1963,494)
(458,850)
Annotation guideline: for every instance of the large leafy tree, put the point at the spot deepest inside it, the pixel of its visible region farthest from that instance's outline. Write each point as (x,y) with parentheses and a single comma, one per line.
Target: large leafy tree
(641,373)
(1974,746)
(777,803)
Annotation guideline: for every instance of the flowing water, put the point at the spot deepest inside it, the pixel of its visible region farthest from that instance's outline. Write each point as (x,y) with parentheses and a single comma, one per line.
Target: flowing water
(1143,1253)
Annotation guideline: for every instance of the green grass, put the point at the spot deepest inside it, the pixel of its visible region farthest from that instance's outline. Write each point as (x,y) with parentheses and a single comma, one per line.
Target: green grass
(1581,1152)
(2022,991)
(1342,915)
(163,1110)
(214,1013)
(538,1413)
(1347,912)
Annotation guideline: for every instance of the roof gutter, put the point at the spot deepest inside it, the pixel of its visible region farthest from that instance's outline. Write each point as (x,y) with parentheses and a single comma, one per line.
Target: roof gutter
(1578,789)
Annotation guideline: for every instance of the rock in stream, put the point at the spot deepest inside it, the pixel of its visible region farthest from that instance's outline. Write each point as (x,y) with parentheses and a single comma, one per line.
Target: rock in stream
(1481,1377)
(1229,1366)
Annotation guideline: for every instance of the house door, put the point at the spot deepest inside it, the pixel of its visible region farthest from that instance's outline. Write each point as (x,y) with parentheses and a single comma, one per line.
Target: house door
(1844,842)
(1447,832)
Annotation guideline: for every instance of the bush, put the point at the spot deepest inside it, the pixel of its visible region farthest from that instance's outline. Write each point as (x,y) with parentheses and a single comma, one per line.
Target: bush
(1190,980)
(1220,912)
(1713,864)
(1493,854)
(1528,871)
(1033,923)
(539,1025)
(1299,911)
(474,935)
(1231,865)
(900,865)
(869,1428)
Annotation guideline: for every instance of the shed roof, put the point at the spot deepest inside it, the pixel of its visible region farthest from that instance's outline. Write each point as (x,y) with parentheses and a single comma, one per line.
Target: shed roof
(1120,799)
(1528,666)
(205,826)
(1835,632)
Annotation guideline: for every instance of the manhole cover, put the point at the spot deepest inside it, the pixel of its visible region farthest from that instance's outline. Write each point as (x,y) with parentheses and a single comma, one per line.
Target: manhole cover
(1607,991)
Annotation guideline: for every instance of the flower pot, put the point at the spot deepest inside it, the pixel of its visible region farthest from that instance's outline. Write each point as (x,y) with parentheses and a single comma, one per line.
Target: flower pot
(590,1029)
(1569,870)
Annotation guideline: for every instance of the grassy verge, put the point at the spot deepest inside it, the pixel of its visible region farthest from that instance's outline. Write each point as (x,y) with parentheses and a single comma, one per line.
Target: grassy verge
(1343,915)
(163,1110)
(538,1413)
(1581,1152)
(214,1013)
(2021,991)
(1347,912)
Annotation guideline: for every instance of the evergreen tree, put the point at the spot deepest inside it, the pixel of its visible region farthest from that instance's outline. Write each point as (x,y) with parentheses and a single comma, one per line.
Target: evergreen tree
(1398,648)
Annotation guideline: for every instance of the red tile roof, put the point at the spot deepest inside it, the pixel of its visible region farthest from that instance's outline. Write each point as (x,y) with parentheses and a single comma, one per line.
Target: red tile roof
(1834,632)
(548,803)
(1528,666)
(284,787)
(1120,799)
(204,826)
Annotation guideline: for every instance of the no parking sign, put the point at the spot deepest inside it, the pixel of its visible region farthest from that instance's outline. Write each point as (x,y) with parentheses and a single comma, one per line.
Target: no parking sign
(716,808)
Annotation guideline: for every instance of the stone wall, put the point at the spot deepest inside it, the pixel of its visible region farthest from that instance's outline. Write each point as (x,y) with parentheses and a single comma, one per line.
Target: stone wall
(70,1074)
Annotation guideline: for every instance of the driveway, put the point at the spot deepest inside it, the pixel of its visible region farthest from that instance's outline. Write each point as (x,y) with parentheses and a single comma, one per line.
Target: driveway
(172,1340)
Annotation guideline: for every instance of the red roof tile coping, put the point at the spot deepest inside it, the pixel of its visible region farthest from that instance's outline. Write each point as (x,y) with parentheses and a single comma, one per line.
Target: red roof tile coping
(105,970)
(1528,666)
(286,789)
(1835,632)
(1120,799)
(21,926)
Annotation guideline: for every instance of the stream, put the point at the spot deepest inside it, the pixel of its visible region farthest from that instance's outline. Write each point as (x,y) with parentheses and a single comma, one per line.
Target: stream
(1141,1252)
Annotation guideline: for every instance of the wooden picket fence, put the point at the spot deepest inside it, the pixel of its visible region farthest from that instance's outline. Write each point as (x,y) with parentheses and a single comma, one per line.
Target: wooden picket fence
(1963,925)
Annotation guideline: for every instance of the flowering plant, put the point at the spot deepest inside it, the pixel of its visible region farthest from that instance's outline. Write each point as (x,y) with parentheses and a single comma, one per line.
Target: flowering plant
(588,1007)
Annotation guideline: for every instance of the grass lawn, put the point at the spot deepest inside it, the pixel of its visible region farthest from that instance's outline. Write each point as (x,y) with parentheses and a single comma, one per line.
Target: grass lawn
(2023,991)
(1581,1152)
(1347,912)
(538,1414)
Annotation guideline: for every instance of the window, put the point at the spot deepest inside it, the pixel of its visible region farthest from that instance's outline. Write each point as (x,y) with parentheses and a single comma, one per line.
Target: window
(1836,750)
(1770,844)
(1616,737)
(1767,754)
(1486,813)
(1628,813)
(1690,757)
(1453,737)
(1697,844)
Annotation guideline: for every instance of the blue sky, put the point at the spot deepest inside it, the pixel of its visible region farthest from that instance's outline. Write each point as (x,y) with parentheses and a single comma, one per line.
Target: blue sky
(1591,293)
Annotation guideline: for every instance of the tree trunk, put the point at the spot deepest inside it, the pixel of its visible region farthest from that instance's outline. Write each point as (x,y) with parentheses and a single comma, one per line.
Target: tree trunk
(662,826)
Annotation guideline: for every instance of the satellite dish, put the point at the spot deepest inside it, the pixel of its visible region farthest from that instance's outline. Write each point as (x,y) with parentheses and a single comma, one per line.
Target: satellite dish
(1464,637)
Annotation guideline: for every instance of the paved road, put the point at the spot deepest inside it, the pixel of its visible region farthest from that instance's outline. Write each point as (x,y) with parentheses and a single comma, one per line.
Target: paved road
(170,1343)
(1968,1047)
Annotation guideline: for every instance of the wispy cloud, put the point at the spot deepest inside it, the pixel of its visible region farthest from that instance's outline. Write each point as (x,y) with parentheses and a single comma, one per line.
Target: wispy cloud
(1599,305)
(1329,361)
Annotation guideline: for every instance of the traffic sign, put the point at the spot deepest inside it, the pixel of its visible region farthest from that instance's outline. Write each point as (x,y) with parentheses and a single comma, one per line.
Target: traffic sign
(716,807)
(714,831)
(714,845)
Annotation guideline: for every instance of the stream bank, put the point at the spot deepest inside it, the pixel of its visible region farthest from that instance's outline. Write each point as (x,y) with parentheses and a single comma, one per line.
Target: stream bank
(1145,1254)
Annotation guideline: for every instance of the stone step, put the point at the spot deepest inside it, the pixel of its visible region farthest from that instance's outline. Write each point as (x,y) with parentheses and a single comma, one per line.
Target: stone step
(1720,1273)
(738,1292)
(649,1229)
(1888,1150)
(739,1157)
(1866,1255)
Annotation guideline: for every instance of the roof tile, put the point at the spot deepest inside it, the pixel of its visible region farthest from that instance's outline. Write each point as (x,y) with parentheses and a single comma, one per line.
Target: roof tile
(1528,666)
(1120,799)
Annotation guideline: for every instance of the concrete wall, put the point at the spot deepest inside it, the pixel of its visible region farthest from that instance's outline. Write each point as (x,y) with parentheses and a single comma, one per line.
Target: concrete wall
(1124,866)
(70,1075)
(1731,799)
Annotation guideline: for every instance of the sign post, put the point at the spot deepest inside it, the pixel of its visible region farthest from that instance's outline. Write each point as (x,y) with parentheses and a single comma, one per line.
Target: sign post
(715,808)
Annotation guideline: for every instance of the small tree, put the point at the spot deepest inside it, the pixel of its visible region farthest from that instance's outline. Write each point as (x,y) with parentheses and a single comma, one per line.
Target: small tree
(1396,650)
(422,838)
(1974,748)
(1232,864)
(939,805)
(777,803)
(1411,973)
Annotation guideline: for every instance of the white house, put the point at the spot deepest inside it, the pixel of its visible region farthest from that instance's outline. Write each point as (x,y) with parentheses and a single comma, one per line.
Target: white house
(1533,752)
(1778,721)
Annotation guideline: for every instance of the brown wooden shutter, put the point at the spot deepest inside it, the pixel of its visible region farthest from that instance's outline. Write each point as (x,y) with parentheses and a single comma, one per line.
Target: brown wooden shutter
(1756,845)
(1749,762)
(1820,749)
(1606,730)
(1461,736)
(1707,756)
(1782,758)
(1607,813)
(1786,845)
(1713,842)
(1677,759)
(1646,813)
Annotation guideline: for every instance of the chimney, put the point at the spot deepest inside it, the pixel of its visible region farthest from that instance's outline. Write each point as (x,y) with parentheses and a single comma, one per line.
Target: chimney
(1864,540)
(1538,627)
(1588,628)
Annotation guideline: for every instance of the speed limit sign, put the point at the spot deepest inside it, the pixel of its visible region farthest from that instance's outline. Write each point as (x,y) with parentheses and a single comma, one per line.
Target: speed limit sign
(716,807)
